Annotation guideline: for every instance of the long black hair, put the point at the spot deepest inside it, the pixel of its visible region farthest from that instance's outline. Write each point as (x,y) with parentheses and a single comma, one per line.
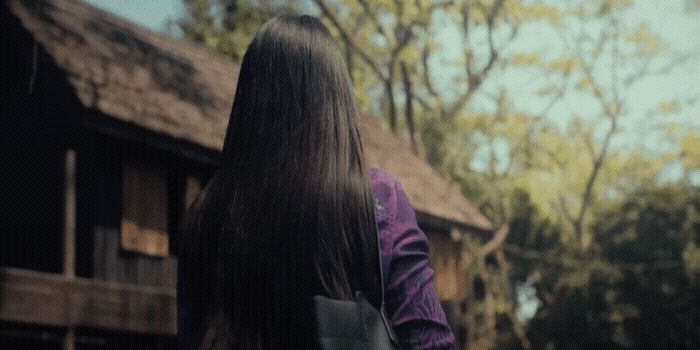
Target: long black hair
(289,213)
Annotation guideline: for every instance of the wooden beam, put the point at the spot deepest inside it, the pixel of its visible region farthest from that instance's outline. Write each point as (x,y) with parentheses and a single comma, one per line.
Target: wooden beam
(130,132)
(52,299)
(69,232)
(69,215)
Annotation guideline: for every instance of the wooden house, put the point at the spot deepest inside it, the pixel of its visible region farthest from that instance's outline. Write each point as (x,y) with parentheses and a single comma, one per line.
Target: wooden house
(108,132)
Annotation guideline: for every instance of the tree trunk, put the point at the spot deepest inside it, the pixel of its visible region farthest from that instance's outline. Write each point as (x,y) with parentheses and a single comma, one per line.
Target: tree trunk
(389,89)
(408,90)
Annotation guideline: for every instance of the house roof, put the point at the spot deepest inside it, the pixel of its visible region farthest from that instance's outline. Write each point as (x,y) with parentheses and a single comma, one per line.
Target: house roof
(182,90)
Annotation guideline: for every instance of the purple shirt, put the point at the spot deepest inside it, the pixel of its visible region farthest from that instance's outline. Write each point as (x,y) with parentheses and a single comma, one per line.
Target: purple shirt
(411,300)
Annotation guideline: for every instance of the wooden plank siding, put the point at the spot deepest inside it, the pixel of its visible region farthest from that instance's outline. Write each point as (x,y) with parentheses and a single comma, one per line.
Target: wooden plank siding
(50,299)
(110,263)
(144,223)
(445,259)
(104,206)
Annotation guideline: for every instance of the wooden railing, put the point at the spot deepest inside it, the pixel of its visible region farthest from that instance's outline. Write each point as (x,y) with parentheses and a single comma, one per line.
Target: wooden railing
(51,299)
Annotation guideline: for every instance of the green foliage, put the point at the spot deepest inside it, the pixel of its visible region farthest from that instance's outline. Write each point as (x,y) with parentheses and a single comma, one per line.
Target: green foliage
(642,289)
(228,26)
(690,151)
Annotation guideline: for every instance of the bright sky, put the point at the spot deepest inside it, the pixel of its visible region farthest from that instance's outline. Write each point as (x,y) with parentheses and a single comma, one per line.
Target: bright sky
(667,19)
(670,20)
(150,13)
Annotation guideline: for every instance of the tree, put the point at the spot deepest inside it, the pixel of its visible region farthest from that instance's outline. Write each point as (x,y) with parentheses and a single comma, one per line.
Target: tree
(644,293)
(605,64)
(387,35)
(527,154)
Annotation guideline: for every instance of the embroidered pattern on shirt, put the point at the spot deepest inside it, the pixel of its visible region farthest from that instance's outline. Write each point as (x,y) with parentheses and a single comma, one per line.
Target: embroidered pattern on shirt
(377,206)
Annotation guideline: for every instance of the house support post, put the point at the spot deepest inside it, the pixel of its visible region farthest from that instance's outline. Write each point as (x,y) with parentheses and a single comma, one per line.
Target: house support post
(69,234)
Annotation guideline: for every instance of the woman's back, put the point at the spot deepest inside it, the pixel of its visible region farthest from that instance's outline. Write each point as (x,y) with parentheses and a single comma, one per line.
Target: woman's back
(411,301)
(290,213)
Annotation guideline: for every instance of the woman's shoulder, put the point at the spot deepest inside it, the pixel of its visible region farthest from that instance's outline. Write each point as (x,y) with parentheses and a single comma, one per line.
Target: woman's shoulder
(384,190)
(385,199)
(381,180)
(392,200)
(395,216)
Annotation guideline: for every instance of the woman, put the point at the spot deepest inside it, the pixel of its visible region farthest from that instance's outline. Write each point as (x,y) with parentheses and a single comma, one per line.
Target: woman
(290,212)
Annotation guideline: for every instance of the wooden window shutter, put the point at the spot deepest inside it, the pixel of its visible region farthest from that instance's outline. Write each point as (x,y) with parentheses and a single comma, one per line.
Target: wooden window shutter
(144,225)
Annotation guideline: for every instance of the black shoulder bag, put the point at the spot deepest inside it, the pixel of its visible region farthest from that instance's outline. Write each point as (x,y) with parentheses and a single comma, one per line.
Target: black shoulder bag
(355,325)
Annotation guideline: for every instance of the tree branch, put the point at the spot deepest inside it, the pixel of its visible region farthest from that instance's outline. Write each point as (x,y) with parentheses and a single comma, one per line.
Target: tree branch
(436,5)
(476,79)
(597,166)
(496,242)
(349,40)
(567,212)
(426,72)
(373,18)
(518,328)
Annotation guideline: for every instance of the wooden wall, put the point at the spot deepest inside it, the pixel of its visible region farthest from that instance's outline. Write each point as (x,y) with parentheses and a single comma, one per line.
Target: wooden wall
(449,278)
(37,308)
(101,190)
(33,138)
(445,257)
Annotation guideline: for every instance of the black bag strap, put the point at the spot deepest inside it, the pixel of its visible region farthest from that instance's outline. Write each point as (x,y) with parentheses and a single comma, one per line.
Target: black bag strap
(382,309)
(379,250)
